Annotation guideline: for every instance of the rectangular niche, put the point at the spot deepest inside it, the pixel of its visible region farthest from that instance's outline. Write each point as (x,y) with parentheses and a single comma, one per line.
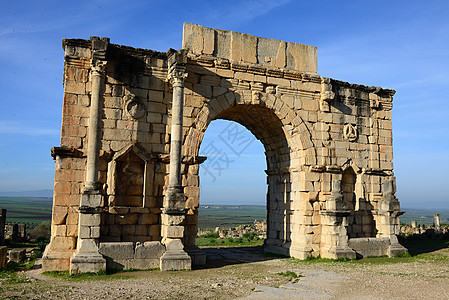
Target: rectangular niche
(129,184)
(127,178)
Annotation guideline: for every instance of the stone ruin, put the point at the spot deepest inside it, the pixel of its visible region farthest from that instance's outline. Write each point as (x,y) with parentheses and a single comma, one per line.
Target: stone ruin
(259,228)
(12,231)
(15,232)
(127,170)
(437,229)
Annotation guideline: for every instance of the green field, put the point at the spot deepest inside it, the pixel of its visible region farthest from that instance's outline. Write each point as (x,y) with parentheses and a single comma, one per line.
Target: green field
(37,210)
(211,216)
(27,210)
(424,216)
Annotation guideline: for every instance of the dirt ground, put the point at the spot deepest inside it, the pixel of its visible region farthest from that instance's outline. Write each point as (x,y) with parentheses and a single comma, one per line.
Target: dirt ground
(247,273)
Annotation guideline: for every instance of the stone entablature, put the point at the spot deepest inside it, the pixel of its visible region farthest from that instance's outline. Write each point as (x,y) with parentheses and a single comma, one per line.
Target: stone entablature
(328,146)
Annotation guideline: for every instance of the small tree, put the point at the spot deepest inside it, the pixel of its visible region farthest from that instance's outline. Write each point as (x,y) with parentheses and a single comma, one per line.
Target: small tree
(43,231)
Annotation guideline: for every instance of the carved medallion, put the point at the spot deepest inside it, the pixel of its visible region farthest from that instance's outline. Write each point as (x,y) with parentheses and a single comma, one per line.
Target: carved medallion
(134,107)
(350,132)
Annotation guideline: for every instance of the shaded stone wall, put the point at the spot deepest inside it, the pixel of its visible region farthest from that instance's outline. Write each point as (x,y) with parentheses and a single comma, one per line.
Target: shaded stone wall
(328,144)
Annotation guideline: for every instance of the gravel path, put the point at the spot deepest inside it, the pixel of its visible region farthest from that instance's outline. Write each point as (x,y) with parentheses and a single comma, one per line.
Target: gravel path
(242,273)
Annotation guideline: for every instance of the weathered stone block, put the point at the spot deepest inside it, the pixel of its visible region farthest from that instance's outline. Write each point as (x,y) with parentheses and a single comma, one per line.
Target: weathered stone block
(370,246)
(173,231)
(17,255)
(149,250)
(147,219)
(117,251)
(90,219)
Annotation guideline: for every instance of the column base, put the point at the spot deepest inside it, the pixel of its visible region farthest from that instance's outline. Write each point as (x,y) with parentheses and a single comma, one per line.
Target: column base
(87,263)
(336,252)
(301,252)
(56,261)
(197,255)
(87,259)
(396,249)
(174,260)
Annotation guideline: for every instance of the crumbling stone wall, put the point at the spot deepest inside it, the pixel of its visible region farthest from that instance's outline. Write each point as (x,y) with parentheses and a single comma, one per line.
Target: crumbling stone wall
(328,145)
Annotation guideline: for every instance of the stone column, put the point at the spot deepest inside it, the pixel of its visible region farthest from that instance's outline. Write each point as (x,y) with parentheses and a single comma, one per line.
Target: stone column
(415,228)
(87,257)
(436,218)
(173,212)
(334,222)
(389,212)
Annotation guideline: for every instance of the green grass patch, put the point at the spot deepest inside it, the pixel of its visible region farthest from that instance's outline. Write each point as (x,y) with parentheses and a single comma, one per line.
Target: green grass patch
(345,260)
(318,259)
(131,270)
(12,277)
(102,275)
(291,275)
(385,260)
(11,274)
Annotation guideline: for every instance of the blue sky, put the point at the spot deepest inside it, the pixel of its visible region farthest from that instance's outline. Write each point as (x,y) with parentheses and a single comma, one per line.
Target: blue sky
(401,45)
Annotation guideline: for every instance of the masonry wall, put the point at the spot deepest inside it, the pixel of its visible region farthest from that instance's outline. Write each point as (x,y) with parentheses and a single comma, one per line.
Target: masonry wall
(328,143)
(135,82)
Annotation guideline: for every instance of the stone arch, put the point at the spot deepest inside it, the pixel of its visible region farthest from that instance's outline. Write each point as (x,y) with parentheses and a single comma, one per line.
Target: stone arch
(285,137)
(293,125)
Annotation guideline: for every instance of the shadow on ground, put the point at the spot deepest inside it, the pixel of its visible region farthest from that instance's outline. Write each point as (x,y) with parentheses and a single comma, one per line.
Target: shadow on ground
(224,256)
(420,245)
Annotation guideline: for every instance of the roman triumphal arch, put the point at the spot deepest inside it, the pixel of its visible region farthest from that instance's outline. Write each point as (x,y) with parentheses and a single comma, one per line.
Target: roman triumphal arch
(126,189)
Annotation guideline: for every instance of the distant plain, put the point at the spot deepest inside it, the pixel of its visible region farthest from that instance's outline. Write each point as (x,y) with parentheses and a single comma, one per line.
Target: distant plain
(38,209)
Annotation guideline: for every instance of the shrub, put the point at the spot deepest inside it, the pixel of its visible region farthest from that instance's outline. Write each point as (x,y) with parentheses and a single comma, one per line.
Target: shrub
(42,231)
(214,235)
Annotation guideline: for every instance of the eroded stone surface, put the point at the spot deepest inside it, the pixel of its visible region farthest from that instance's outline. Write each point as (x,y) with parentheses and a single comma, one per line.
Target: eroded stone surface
(328,145)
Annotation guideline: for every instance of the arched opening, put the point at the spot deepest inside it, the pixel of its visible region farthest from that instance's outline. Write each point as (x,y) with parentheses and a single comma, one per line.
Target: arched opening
(232,187)
(266,127)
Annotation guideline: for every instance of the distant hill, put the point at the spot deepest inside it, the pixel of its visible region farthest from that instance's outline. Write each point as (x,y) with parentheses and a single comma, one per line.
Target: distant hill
(35,193)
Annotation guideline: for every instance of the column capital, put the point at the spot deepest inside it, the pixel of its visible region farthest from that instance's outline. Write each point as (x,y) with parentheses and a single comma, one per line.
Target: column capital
(177,60)
(99,46)
(177,74)
(98,67)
